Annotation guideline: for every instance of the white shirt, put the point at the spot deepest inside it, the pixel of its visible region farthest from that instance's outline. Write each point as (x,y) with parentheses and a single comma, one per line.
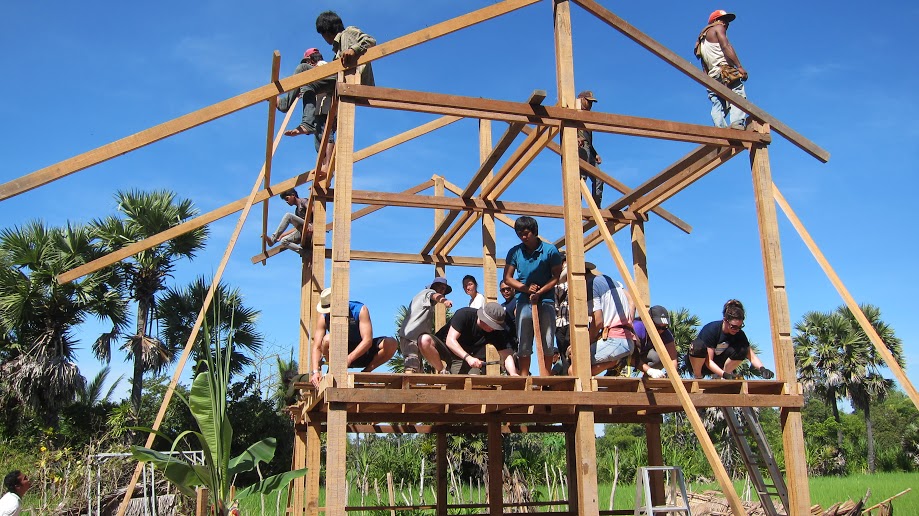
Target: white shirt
(477,302)
(10,504)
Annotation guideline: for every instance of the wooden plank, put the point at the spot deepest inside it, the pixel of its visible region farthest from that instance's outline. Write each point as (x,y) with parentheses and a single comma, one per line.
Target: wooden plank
(872,334)
(223,108)
(442,469)
(489,251)
(682,180)
(521,112)
(686,402)
(640,264)
(697,75)
(440,311)
(358,255)
(534,143)
(314,463)
(269,144)
(455,235)
(780,322)
(593,171)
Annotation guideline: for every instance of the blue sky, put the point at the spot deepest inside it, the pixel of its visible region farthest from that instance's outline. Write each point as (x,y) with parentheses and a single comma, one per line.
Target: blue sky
(80,75)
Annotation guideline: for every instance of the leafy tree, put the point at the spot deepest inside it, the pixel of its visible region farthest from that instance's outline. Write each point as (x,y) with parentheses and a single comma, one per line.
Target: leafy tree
(684,327)
(178,311)
(145,214)
(38,315)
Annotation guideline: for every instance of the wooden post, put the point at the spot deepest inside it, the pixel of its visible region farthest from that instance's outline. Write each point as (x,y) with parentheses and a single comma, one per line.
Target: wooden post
(201,505)
(792,427)
(571,471)
(585,438)
(314,463)
(337,419)
(269,151)
(495,469)
(442,472)
(489,269)
(440,270)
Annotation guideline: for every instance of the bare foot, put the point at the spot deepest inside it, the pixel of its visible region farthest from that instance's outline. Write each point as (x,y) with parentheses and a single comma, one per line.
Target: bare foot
(300,129)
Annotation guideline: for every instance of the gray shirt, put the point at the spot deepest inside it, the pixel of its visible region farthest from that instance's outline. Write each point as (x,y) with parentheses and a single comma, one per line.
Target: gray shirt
(420,317)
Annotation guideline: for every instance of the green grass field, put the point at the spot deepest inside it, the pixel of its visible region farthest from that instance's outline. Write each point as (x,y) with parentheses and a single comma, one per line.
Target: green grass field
(824,491)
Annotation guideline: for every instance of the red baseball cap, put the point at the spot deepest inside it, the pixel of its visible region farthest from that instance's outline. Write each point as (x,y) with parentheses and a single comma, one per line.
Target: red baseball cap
(309,52)
(721,13)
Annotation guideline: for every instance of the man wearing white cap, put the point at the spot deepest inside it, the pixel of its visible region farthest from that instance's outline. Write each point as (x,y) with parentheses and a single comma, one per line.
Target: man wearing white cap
(720,62)
(363,350)
(419,323)
(461,343)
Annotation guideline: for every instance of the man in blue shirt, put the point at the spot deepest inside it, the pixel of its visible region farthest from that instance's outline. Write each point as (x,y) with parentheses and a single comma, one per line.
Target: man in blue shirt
(537,266)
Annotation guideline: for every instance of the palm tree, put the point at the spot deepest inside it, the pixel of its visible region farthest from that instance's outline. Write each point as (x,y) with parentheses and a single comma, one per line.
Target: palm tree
(144,274)
(684,327)
(826,355)
(38,315)
(872,387)
(227,319)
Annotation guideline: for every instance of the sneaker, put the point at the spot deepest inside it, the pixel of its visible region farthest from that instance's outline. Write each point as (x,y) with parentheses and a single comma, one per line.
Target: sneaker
(413,363)
(766,373)
(270,240)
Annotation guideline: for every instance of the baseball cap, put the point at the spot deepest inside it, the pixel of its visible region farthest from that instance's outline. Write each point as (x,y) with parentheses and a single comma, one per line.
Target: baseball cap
(444,281)
(660,316)
(325,301)
(587,94)
(721,13)
(309,52)
(492,314)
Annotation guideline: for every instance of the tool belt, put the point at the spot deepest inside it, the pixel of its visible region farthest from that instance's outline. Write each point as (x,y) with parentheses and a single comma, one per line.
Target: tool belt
(609,329)
(730,75)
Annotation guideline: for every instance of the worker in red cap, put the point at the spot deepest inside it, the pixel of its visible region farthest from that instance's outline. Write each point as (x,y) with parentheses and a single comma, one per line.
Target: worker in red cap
(720,62)
(317,97)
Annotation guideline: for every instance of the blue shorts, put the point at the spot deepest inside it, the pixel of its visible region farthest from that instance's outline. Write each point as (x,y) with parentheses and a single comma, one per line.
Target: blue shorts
(610,350)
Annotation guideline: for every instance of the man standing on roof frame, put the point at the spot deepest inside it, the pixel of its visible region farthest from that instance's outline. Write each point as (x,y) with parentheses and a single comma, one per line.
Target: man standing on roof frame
(720,62)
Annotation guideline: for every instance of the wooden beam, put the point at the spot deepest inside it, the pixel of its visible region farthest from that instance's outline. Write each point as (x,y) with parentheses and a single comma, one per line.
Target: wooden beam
(683,179)
(495,469)
(269,144)
(721,475)
(363,212)
(780,326)
(697,75)
(223,108)
(703,153)
(519,112)
(404,137)
(476,204)
(850,302)
(534,143)
(618,185)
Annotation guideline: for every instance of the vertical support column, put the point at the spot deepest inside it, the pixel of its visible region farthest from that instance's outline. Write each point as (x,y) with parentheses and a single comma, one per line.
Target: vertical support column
(337,419)
(495,469)
(572,471)
(442,472)
(489,267)
(792,428)
(655,458)
(314,463)
(585,437)
(440,311)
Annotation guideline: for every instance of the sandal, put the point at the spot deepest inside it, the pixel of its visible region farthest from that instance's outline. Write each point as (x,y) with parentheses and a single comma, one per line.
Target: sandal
(300,129)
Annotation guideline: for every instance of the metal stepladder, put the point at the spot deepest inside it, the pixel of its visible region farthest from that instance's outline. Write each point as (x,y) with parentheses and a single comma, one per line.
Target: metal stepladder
(755,462)
(673,480)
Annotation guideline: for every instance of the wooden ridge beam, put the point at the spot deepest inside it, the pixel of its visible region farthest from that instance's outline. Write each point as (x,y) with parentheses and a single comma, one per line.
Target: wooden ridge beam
(475,204)
(519,112)
(244,100)
(595,172)
(697,75)
(706,153)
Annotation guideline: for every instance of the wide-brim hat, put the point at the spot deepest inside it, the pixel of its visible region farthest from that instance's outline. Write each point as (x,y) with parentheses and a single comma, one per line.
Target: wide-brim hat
(444,282)
(325,301)
(592,269)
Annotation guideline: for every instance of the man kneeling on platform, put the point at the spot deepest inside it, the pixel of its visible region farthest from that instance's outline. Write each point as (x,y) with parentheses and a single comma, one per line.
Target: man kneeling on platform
(363,350)
(461,343)
(611,316)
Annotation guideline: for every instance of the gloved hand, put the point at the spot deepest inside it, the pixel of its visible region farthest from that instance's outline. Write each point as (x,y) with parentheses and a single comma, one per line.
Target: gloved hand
(766,373)
(729,376)
(655,373)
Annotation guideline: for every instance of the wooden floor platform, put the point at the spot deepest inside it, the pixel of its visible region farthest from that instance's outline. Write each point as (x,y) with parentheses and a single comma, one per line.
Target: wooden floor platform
(399,398)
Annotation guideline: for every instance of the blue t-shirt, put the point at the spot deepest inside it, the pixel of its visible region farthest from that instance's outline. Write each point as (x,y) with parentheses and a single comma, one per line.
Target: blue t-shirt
(535,267)
(354,327)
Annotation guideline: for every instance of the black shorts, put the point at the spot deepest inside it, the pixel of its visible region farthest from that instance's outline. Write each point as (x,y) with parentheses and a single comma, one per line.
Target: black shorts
(699,350)
(455,364)
(367,358)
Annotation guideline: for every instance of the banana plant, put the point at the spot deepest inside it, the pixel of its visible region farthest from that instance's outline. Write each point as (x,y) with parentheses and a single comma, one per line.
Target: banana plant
(207,403)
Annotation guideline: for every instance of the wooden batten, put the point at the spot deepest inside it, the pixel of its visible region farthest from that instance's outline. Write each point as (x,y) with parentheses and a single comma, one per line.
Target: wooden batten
(683,179)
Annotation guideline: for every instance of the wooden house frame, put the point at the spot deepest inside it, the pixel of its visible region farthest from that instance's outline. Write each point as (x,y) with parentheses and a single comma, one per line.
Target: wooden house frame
(359,402)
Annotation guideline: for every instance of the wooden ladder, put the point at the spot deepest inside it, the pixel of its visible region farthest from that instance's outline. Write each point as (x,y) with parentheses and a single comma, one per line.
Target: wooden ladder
(673,480)
(742,430)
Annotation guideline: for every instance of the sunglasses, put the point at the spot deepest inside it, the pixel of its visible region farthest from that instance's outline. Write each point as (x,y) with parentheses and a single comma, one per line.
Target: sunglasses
(736,327)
